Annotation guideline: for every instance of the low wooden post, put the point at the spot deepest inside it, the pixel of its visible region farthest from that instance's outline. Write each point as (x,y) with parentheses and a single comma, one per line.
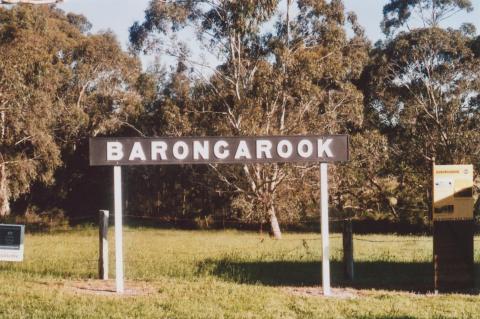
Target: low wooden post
(103,248)
(348,249)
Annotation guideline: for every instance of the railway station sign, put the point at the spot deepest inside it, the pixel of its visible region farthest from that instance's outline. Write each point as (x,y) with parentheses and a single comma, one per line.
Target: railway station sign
(125,151)
(231,150)
(11,242)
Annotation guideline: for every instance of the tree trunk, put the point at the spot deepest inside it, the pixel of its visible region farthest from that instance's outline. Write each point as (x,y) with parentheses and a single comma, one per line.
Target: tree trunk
(4,205)
(277,234)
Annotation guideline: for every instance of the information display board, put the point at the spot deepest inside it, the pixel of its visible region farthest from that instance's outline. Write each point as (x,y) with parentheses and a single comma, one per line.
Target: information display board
(453,192)
(453,228)
(11,242)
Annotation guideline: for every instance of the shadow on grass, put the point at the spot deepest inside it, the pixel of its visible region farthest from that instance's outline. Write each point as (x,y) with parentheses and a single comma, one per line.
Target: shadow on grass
(398,276)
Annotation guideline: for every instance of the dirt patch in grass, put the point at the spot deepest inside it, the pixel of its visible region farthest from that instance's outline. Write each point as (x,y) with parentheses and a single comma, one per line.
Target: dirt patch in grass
(352,293)
(107,288)
(341,293)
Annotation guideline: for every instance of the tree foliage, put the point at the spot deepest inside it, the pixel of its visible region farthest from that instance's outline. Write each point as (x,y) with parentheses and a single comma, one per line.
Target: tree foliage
(423,95)
(258,68)
(295,82)
(58,86)
(397,13)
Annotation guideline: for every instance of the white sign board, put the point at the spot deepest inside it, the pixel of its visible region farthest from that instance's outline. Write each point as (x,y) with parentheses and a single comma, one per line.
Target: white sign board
(11,242)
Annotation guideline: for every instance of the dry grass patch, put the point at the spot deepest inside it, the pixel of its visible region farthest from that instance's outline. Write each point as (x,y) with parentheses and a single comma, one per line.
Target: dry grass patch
(107,288)
(339,293)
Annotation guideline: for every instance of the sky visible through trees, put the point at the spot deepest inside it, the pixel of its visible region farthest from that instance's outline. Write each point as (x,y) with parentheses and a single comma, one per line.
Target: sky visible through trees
(119,15)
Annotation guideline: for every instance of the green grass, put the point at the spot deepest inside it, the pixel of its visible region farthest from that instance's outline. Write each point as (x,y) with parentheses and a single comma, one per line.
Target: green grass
(217,274)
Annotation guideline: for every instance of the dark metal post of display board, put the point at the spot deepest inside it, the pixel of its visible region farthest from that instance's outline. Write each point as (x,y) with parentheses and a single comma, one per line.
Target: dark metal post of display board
(453,255)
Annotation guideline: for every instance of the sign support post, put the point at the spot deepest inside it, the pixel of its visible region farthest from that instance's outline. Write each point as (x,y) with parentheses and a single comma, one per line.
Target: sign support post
(117,185)
(325,231)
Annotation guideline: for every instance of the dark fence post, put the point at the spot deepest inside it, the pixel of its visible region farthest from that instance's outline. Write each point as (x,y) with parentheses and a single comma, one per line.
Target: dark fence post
(348,249)
(103,248)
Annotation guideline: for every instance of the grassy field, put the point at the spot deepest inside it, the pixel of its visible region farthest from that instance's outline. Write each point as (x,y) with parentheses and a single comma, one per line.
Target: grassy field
(200,274)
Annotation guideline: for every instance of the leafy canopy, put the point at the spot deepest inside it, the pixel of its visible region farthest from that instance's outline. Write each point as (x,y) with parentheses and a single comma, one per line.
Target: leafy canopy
(57,85)
(397,13)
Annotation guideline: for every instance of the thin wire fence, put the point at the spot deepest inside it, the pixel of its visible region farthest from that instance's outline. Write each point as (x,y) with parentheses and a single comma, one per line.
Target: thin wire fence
(302,240)
(174,220)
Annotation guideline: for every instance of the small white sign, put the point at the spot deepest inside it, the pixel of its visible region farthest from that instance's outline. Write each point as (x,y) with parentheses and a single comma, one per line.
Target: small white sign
(11,242)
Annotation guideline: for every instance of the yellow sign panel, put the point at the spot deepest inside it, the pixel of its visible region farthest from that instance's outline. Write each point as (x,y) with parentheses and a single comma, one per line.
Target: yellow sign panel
(453,192)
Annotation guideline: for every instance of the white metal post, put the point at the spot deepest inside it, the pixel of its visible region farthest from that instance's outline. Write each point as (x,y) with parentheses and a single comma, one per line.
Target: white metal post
(117,185)
(325,232)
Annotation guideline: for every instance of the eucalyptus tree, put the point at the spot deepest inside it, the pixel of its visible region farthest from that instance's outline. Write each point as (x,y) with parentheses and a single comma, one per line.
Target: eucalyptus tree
(297,77)
(422,91)
(57,86)
(430,13)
